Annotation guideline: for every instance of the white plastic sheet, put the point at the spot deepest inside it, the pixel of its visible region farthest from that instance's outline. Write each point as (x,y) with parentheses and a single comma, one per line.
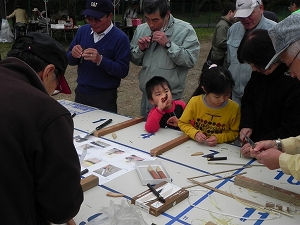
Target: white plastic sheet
(5,33)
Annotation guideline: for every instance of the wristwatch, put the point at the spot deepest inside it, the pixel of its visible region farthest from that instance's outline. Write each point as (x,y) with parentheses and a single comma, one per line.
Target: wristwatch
(278,144)
(168,45)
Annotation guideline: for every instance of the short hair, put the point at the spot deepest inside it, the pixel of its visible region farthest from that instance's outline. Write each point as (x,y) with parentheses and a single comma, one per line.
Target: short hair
(296,2)
(217,80)
(256,47)
(35,62)
(230,6)
(154,82)
(152,6)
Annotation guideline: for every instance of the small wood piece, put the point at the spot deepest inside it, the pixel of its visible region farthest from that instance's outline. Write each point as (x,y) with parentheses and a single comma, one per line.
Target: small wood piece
(114,195)
(169,145)
(153,173)
(197,153)
(160,172)
(210,223)
(89,182)
(118,126)
(267,189)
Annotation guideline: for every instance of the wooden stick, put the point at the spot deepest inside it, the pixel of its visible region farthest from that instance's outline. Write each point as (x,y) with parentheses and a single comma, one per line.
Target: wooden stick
(169,145)
(224,171)
(114,195)
(267,189)
(232,164)
(213,180)
(240,198)
(118,126)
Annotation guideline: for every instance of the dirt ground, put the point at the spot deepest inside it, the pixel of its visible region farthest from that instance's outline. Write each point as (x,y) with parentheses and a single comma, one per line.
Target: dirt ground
(129,94)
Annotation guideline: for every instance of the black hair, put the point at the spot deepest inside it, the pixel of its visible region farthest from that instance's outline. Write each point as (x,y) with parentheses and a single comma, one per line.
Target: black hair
(217,80)
(35,62)
(152,6)
(154,82)
(230,6)
(256,47)
(296,2)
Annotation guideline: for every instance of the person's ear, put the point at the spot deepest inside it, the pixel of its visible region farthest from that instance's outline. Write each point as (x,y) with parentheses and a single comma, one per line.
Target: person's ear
(203,89)
(47,73)
(152,102)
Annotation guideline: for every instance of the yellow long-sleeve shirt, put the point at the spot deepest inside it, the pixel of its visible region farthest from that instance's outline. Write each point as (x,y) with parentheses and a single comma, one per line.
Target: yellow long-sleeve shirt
(223,122)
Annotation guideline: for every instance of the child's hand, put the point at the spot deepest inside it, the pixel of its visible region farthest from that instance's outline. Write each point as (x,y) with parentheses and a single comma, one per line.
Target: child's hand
(173,121)
(200,137)
(212,141)
(162,103)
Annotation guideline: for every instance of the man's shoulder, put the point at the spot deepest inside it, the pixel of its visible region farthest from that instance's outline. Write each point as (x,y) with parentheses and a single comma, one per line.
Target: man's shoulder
(183,24)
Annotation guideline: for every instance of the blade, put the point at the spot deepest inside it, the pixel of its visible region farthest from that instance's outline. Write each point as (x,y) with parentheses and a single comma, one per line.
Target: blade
(250,141)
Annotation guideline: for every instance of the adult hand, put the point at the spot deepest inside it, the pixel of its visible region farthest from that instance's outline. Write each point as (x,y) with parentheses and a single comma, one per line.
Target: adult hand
(91,54)
(246,150)
(173,121)
(200,137)
(212,141)
(270,158)
(160,37)
(77,51)
(144,42)
(261,146)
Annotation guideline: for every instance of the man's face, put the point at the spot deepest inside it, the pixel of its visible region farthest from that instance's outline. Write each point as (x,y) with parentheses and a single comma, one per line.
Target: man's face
(293,62)
(253,19)
(99,24)
(155,22)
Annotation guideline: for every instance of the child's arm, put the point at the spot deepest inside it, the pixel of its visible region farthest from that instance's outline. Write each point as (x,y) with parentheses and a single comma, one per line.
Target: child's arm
(184,122)
(153,119)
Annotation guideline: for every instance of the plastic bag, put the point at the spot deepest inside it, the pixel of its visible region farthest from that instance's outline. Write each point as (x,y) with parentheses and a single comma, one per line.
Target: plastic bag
(5,33)
(115,214)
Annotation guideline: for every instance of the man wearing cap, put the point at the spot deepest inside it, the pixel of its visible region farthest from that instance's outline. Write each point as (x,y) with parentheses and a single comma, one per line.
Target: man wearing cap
(41,179)
(163,46)
(101,52)
(283,154)
(250,14)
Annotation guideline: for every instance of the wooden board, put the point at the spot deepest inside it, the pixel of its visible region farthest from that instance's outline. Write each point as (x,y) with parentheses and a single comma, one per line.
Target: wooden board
(168,145)
(89,182)
(267,189)
(118,126)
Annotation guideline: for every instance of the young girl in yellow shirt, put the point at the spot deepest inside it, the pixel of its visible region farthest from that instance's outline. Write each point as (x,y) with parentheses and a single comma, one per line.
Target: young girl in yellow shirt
(210,117)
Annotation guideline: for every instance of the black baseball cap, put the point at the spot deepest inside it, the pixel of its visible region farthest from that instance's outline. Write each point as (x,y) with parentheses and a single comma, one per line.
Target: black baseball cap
(98,8)
(49,50)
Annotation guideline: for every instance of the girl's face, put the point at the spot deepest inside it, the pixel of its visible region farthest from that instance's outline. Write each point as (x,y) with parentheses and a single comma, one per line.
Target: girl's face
(162,94)
(216,100)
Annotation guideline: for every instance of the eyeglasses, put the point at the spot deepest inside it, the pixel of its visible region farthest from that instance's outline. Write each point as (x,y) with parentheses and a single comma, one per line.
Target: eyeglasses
(294,59)
(93,19)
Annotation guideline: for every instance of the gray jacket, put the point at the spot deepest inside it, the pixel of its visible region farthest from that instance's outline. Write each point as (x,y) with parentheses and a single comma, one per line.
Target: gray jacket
(173,63)
(241,72)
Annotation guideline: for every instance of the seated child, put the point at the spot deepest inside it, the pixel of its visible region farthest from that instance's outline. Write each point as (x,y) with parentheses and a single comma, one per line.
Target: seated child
(210,117)
(166,111)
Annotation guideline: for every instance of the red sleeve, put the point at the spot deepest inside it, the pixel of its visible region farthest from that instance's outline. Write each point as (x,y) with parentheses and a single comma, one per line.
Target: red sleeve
(180,102)
(153,119)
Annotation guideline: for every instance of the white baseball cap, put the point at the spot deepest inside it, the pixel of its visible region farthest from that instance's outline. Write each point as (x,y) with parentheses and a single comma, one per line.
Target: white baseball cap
(245,7)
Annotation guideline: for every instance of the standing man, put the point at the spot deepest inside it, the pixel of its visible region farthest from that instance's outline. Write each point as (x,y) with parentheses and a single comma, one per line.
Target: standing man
(250,14)
(20,14)
(283,154)
(217,54)
(102,53)
(164,46)
(41,183)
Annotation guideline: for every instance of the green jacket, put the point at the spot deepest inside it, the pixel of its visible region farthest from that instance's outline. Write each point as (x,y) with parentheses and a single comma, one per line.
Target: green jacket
(172,63)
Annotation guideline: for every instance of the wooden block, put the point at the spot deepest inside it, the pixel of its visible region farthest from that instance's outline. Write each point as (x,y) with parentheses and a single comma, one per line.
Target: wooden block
(267,189)
(168,145)
(118,126)
(89,182)
(210,223)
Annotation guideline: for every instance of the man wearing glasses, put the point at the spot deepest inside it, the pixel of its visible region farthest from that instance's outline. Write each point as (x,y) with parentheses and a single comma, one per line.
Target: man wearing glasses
(41,182)
(250,15)
(283,154)
(102,53)
(164,46)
